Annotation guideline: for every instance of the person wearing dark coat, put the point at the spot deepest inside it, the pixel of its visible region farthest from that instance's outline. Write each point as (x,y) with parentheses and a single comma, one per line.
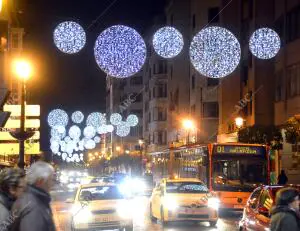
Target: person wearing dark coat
(12,184)
(282,178)
(33,209)
(285,215)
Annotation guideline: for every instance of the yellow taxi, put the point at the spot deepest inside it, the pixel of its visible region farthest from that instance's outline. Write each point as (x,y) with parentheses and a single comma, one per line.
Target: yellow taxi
(99,206)
(183,200)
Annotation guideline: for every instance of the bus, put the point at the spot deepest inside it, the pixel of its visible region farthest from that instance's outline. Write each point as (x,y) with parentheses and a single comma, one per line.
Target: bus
(230,170)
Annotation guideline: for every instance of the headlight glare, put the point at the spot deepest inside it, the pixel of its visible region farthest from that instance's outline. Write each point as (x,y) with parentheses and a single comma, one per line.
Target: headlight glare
(170,203)
(213,203)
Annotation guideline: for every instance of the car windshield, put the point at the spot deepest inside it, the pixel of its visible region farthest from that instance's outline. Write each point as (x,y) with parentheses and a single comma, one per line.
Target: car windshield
(238,174)
(100,193)
(186,187)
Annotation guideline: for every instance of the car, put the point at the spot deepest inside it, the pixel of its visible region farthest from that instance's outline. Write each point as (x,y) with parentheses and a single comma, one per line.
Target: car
(183,200)
(256,214)
(100,206)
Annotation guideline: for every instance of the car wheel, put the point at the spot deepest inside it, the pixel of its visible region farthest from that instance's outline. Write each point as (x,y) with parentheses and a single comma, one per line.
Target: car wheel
(153,219)
(213,223)
(162,217)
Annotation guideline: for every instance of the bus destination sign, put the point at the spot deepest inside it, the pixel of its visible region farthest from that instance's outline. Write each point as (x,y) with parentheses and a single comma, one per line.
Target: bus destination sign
(236,149)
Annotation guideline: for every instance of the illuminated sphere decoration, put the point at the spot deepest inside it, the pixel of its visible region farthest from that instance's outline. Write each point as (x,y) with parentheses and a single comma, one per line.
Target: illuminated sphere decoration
(109,128)
(69,37)
(75,132)
(89,132)
(56,133)
(102,130)
(264,43)
(123,129)
(58,117)
(96,119)
(215,52)
(67,139)
(115,119)
(97,139)
(64,155)
(132,120)
(90,144)
(77,117)
(120,51)
(168,42)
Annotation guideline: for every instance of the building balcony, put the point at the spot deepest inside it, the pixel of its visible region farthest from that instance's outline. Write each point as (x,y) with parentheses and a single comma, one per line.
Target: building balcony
(284,111)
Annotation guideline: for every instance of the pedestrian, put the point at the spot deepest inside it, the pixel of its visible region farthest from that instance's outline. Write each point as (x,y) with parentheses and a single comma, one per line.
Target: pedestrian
(285,214)
(282,178)
(12,184)
(33,207)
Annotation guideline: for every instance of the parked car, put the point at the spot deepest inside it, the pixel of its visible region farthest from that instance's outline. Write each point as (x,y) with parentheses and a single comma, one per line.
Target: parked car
(256,215)
(183,200)
(100,206)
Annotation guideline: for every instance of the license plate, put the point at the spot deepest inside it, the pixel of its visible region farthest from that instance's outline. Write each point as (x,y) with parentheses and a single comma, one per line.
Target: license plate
(189,211)
(238,206)
(103,219)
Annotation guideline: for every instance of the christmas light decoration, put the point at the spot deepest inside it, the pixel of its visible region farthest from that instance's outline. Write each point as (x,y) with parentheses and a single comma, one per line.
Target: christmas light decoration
(69,37)
(77,117)
(115,119)
(97,139)
(90,144)
(120,51)
(215,52)
(75,132)
(264,43)
(96,119)
(89,132)
(67,139)
(123,129)
(64,155)
(132,120)
(168,42)
(109,128)
(102,130)
(56,133)
(58,117)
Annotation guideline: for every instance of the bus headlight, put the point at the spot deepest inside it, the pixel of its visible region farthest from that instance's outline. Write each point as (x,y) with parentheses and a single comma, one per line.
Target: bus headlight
(170,203)
(213,203)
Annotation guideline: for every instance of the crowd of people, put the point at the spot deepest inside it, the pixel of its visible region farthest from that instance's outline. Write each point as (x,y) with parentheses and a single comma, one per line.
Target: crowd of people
(25,199)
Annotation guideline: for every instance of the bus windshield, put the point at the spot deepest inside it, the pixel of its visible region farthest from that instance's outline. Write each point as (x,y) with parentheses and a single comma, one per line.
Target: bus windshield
(238,174)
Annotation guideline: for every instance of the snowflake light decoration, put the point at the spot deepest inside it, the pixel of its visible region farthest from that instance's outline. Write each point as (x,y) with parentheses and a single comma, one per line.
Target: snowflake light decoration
(120,51)
(215,52)
(264,43)
(58,117)
(132,120)
(123,129)
(69,37)
(168,42)
(75,132)
(115,119)
(96,119)
(77,117)
(89,132)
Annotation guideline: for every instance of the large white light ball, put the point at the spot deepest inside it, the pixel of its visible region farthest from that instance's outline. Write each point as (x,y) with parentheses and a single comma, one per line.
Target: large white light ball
(132,120)
(115,118)
(58,117)
(215,52)
(168,42)
(120,51)
(89,132)
(102,129)
(109,128)
(264,43)
(97,139)
(96,119)
(69,37)
(90,144)
(56,133)
(75,132)
(123,129)
(77,117)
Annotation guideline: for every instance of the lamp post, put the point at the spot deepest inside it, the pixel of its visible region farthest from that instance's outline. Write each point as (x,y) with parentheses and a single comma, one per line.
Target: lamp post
(188,125)
(23,71)
(141,142)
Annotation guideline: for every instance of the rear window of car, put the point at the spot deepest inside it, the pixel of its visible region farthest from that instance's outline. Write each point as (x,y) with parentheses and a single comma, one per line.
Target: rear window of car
(100,193)
(186,187)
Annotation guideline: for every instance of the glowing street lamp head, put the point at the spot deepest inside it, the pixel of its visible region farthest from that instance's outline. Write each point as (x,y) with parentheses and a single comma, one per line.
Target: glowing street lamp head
(118,148)
(239,121)
(141,142)
(23,69)
(188,124)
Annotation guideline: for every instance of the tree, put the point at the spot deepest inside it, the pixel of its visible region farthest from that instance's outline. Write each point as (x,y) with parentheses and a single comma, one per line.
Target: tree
(292,130)
(259,134)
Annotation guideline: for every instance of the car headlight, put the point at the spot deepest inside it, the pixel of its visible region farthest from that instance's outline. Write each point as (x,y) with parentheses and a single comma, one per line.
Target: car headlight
(124,210)
(170,203)
(81,214)
(213,203)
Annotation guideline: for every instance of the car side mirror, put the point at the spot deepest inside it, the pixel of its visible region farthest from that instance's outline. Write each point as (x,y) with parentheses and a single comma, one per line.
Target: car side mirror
(69,201)
(263,211)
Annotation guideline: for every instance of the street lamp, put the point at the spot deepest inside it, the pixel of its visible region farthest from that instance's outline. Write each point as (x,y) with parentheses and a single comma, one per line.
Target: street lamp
(239,121)
(188,125)
(141,142)
(23,71)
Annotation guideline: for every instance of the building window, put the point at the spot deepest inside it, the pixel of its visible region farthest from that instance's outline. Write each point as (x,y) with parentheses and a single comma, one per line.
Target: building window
(159,114)
(161,90)
(136,97)
(210,109)
(193,81)
(149,117)
(161,67)
(279,86)
(245,74)
(146,107)
(212,82)
(293,77)
(193,109)
(15,41)
(137,80)
(213,15)
(171,72)
(138,113)
(194,21)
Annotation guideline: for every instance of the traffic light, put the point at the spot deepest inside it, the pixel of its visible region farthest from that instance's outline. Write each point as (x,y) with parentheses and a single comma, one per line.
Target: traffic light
(4,94)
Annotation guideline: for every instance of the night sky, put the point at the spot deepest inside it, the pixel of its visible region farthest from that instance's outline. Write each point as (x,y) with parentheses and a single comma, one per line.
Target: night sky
(73,82)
